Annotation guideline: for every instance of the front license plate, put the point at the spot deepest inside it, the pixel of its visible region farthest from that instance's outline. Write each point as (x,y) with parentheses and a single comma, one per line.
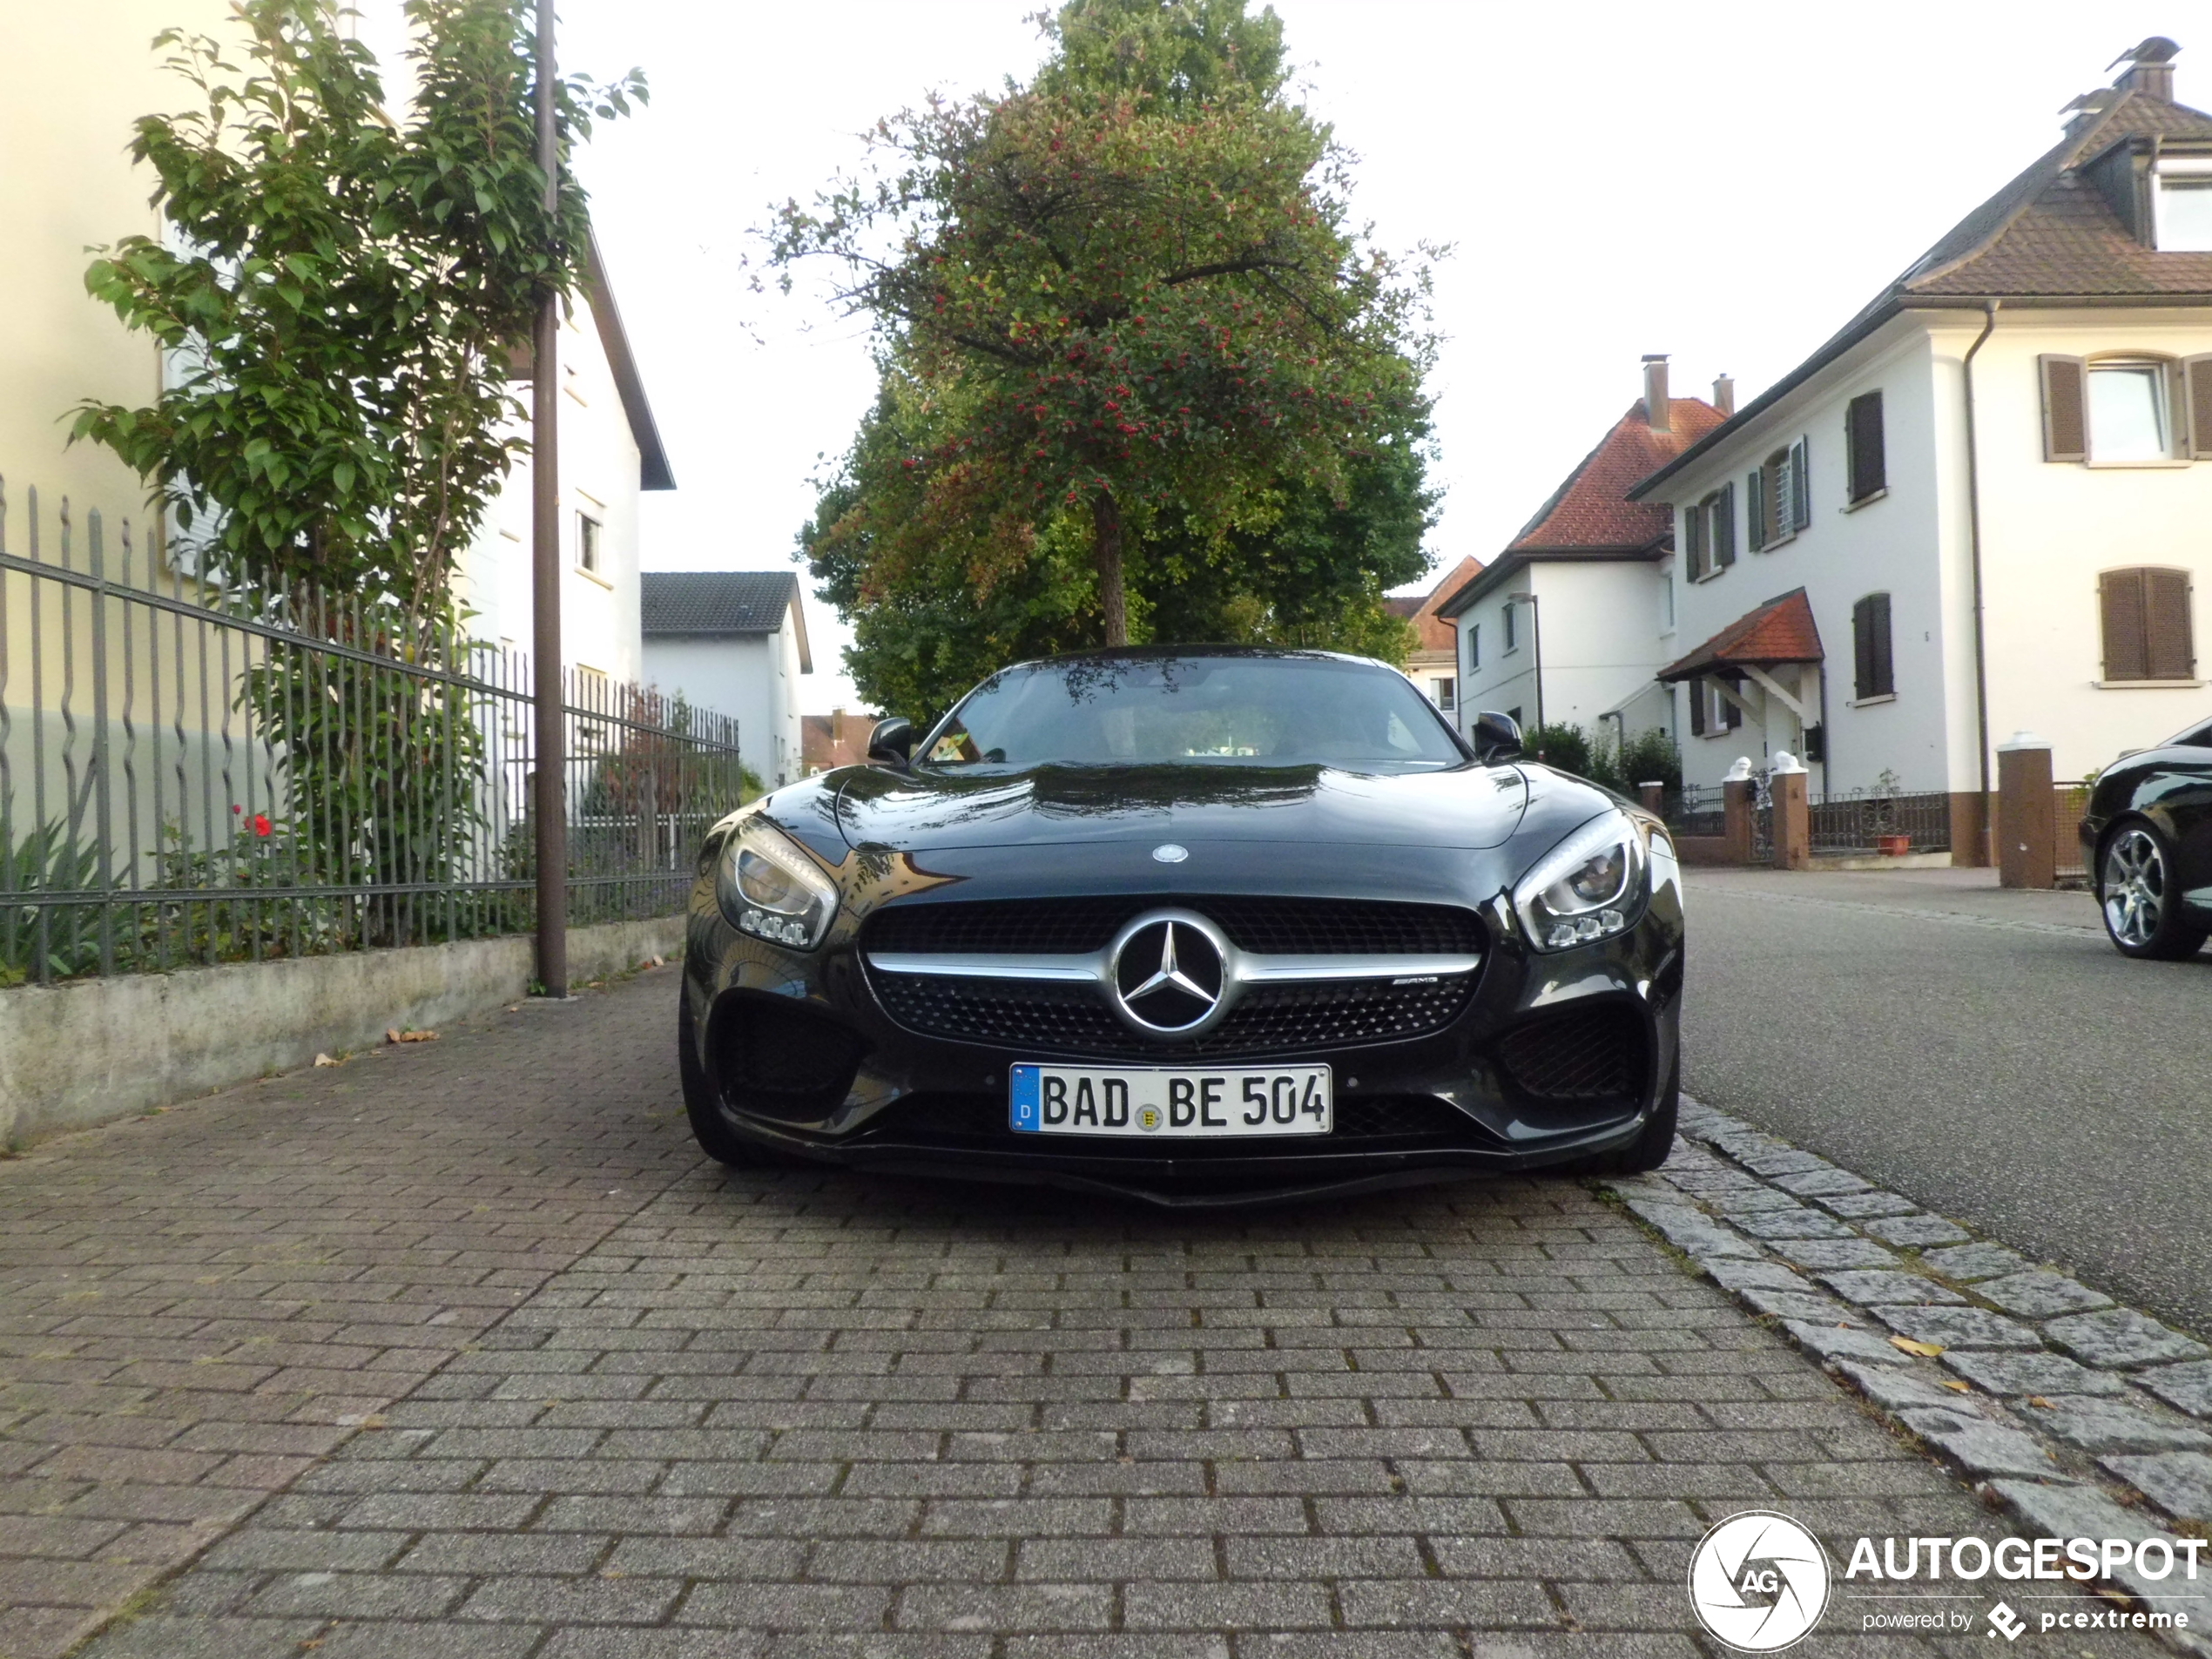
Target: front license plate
(1163,1101)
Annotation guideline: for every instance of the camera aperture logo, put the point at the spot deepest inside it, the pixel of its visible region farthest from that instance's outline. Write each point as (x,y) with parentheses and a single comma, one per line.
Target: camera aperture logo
(1758,1582)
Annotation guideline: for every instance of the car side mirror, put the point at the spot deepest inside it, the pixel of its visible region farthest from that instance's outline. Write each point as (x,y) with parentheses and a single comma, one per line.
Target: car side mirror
(1497,737)
(892,744)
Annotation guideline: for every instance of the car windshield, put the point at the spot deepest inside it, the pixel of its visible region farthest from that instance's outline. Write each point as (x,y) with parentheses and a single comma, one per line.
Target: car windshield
(2197,737)
(1273,710)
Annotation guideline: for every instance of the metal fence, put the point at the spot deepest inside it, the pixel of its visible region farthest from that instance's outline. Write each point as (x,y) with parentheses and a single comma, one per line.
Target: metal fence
(1858,822)
(193,773)
(2070,802)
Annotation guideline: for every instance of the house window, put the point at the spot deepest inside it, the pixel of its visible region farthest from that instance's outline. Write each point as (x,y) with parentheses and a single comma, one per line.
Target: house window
(1709,528)
(1444,690)
(2184,211)
(1512,615)
(1781,503)
(2144,614)
(1711,711)
(1865,463)
(1667,602)
(587,543)
(2117,410)
(1474,646)
(1870,632)
(594,695)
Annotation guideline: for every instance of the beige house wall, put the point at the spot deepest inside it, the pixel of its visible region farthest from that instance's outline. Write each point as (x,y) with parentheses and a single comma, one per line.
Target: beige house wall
(82,75)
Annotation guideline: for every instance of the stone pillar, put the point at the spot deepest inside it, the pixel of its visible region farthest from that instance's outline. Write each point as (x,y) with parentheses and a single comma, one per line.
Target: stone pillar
(2027,813)
(1654,797)
(1736,806)
(1792,821)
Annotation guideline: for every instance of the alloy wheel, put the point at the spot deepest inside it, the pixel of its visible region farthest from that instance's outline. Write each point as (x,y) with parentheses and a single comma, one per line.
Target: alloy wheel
(2134,887)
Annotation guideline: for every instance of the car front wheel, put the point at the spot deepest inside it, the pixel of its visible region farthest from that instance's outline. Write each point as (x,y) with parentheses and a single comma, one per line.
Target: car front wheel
(701,1104)
(2141,899)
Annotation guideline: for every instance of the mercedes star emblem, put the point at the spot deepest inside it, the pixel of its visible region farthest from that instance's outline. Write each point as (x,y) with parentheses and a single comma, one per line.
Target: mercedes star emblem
(1168,978)
(1169,852)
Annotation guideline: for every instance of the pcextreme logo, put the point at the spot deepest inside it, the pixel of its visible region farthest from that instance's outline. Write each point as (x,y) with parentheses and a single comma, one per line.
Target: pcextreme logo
(1758,1582)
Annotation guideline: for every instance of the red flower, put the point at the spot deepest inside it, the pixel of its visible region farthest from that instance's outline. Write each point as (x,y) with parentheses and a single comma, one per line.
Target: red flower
(261,825)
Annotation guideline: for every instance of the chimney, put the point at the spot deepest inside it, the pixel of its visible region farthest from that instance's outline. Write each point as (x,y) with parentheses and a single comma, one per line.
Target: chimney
(2150,69)
(1658,413)
(1724,393)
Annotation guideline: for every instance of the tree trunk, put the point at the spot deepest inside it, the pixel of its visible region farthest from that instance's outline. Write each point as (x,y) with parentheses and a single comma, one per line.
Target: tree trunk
(1106,547)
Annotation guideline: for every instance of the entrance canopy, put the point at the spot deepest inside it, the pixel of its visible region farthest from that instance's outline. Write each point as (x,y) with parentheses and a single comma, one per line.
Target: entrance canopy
(1779,631)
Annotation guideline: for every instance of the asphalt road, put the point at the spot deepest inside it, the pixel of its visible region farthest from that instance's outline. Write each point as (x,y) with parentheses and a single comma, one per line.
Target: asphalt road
(1984,1052)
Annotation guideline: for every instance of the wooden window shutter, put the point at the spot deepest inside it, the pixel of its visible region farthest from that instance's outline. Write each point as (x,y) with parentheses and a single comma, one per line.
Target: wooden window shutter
(1755,507)
(2119,601)
(1731,713)
(1868,462)
(2065,427)
(1693,536)
(1800,486)
(1862,639)
(2170,651)
(2196,375)
(1725,527)
(1884,664)
(1697,696)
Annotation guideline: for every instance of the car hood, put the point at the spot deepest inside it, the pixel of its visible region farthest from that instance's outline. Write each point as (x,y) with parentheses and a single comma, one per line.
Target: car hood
(1467,806)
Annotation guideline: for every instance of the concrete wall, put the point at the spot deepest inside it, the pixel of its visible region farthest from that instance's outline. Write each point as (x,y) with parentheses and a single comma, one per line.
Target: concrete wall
(1601,644)
(74,1055)
(1894,544)
(2049,527)
(753,676)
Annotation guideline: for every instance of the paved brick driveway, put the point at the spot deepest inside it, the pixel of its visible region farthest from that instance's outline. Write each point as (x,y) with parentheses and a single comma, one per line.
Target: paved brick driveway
(461,1349)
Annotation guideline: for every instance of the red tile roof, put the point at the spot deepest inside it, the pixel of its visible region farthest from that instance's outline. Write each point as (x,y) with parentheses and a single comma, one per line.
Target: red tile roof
(839,739)
(1591,511)
(1781,631)
(1435,633)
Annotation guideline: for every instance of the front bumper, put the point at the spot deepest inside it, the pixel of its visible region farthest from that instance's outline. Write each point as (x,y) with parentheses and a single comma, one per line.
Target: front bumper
(1550,1059)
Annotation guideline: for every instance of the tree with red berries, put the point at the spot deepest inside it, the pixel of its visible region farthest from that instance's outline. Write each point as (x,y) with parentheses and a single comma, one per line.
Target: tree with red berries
(1121,317)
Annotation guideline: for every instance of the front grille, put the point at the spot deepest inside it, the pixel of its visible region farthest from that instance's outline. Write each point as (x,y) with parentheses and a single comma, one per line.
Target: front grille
(1585,1054)
(1075,1020)
(1382,1118)
(1265,926)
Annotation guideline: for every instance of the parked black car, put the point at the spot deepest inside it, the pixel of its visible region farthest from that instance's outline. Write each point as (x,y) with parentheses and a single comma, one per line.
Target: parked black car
(1198,925)
(2148,834)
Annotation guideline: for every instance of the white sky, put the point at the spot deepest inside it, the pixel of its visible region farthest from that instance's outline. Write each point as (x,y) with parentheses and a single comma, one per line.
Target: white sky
(1726,183)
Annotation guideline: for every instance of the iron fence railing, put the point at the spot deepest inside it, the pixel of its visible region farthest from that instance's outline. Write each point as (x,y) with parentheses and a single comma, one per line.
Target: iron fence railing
(1695,809)
(1859,821)
(194,773)
(2070,803)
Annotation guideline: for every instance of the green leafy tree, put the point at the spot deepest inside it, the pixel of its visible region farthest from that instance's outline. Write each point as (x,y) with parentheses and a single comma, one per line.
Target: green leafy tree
(1127,338)
(342,293)
(339,303)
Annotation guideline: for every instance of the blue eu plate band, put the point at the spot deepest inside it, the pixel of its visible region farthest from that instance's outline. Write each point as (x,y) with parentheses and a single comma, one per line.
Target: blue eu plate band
(1027,1085)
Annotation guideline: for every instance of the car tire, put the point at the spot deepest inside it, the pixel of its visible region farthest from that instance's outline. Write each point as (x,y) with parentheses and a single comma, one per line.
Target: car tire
(2140,896)
(1649,1149)
(701,1103)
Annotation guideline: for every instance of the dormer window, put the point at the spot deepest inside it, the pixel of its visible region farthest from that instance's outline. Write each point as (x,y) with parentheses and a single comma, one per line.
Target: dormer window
(2183,222)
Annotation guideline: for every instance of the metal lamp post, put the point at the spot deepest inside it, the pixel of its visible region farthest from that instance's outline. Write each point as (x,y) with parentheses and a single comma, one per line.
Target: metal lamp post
(548,793)
(1535,645)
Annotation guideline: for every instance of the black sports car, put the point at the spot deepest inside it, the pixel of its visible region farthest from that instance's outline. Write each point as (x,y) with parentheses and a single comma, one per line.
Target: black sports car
(2148,834)
(1194,924)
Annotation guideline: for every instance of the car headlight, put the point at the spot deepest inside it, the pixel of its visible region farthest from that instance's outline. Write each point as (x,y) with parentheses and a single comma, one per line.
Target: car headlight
(1591,886)
(771,889)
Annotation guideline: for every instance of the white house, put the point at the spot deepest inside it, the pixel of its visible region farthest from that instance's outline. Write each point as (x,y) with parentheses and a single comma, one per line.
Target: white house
(1985,505)
(1434,663)
(610,452)
(1570,625)
(734,641)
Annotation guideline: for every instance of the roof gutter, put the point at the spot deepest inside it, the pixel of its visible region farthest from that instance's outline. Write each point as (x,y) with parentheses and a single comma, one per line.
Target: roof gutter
(1896,305)
(1973,544)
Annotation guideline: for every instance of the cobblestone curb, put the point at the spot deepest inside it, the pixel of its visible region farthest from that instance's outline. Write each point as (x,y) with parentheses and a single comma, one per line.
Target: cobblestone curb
(2080,1417)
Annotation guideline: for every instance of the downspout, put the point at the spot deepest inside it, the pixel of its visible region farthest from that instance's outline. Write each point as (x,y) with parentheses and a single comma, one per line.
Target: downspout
(1974,543)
